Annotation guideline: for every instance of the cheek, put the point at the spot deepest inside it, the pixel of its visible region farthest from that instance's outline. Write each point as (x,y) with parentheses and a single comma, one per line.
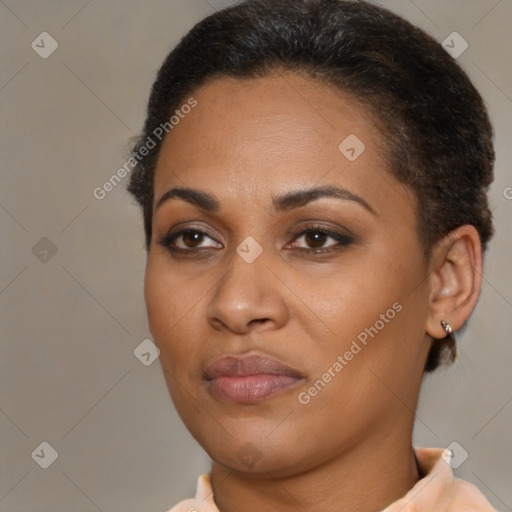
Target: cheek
(351,300)
(172,307)
(158,297)
(372,315)
(174,314)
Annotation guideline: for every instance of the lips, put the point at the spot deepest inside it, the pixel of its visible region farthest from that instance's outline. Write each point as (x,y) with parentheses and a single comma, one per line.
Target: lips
(249,378)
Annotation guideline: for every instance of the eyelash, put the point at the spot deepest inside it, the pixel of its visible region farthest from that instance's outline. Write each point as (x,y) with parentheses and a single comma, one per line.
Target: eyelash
(343,240)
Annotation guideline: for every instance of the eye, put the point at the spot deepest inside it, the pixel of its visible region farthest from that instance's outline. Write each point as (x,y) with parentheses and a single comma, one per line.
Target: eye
(193,240)
(316,237)
(186,240)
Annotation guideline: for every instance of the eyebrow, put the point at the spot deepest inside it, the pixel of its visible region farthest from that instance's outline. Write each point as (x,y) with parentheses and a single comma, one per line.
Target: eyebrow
(282,203)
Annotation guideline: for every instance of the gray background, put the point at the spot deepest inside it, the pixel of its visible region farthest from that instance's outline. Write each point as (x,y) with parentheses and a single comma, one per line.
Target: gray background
(70,321)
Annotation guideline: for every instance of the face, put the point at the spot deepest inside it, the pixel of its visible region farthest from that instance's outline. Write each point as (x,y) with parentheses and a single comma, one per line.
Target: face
(291,323)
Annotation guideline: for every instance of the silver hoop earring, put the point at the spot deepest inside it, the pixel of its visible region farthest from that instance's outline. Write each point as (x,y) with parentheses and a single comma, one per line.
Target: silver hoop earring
(448,329)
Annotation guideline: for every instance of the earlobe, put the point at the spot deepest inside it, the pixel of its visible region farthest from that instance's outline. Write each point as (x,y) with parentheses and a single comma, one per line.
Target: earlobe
(455,280)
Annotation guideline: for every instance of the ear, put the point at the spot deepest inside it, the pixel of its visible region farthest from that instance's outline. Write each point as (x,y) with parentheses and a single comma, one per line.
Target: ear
(455,279)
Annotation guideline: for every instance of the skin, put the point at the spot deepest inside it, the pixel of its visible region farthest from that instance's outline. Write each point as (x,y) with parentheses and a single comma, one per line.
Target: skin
(350,447)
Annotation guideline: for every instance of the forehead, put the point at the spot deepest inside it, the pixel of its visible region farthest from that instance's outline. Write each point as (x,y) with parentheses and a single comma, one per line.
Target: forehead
(268,135)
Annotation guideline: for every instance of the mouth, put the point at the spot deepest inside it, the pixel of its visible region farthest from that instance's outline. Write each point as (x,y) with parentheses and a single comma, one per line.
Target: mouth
(248,379)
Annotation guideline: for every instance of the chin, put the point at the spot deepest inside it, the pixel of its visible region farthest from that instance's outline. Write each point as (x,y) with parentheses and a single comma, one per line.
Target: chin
(255,452)
(252,461)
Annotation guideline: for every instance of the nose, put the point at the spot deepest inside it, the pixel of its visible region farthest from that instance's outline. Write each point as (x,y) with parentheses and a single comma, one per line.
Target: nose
(249,296)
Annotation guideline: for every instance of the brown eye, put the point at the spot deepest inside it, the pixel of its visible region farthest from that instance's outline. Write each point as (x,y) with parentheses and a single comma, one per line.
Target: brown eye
(186,239)
(191,238)
(315,239)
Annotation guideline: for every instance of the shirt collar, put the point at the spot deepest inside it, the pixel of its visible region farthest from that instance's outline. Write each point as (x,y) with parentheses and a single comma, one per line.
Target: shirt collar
(436,491)
(433,490)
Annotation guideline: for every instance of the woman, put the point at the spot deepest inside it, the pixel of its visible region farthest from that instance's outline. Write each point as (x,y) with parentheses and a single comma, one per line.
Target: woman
(313,179)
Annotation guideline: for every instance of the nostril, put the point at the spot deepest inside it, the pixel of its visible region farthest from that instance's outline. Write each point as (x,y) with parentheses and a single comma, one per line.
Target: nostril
(259,320)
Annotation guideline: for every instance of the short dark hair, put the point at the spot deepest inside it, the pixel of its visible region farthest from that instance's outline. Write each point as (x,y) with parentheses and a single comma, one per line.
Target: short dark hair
(436,128)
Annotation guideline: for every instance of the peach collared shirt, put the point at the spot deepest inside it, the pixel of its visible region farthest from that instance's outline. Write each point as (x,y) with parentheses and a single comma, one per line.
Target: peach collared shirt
(437,491)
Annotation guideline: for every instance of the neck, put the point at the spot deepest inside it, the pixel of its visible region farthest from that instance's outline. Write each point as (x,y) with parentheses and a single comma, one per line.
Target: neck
(367,478)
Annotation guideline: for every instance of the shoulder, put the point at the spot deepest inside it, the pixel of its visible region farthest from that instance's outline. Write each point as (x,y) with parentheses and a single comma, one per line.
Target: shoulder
(189,505)
(202,502)
(439,490)
(467,497)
